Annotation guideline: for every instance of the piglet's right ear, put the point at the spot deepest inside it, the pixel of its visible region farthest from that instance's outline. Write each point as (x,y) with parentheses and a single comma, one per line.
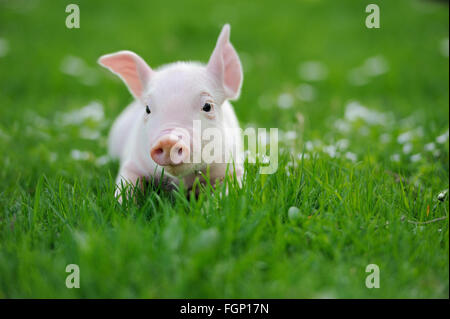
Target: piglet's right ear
(131,68)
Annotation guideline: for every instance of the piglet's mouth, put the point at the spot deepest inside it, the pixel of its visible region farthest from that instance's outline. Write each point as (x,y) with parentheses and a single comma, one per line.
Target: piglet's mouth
(183,170)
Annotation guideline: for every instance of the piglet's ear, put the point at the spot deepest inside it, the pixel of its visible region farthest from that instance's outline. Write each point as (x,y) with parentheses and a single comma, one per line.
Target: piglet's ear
(131,68)
(224,63)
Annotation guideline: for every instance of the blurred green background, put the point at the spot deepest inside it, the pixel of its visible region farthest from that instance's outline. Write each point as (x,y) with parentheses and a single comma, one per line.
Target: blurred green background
(385,154)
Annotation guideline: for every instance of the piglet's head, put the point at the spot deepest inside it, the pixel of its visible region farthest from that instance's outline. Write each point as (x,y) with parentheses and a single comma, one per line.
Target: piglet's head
(175,95)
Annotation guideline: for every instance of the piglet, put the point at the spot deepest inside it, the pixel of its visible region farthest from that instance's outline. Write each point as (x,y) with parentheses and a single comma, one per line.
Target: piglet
(174,106)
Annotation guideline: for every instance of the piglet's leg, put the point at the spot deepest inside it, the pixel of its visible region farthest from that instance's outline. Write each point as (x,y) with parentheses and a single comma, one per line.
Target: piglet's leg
(128,176)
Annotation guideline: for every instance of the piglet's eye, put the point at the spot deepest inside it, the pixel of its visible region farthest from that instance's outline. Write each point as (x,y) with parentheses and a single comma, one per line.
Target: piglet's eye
(147,109)
(207,107)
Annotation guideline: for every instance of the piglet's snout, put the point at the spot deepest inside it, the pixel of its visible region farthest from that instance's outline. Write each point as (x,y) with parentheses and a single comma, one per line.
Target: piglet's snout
(169,150)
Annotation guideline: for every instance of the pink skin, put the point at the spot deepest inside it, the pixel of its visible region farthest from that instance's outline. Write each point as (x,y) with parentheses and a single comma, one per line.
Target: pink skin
(169,150)
(174,95)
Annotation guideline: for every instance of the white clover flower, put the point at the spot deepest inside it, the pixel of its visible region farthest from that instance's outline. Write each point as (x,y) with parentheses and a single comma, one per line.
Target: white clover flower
(313,71)
(441,139)
(357,77)
(331,150)
(407,148)
(93,111)
(405,137)
(342,126)
(355,110)
(342,144)
(351,156)
(102,160)
(306,92)
(395,158)
(79,155)
(309,146)
(376,65)
(89,134)
(441,196)
(285,100)
(290,135)
(430,147)
(301,156)
(416,157)
(75,66)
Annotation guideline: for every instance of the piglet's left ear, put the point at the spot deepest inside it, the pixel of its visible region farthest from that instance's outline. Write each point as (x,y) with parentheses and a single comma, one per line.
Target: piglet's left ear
(224,63)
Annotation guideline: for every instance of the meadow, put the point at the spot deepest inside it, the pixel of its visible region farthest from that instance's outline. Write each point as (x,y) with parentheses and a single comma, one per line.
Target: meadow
(363,173)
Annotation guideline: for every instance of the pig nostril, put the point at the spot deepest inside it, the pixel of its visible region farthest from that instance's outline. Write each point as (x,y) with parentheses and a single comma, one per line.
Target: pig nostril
(159,151)
(180,151)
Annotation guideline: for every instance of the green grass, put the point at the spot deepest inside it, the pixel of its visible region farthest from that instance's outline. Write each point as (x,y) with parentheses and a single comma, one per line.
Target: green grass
(56,210)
